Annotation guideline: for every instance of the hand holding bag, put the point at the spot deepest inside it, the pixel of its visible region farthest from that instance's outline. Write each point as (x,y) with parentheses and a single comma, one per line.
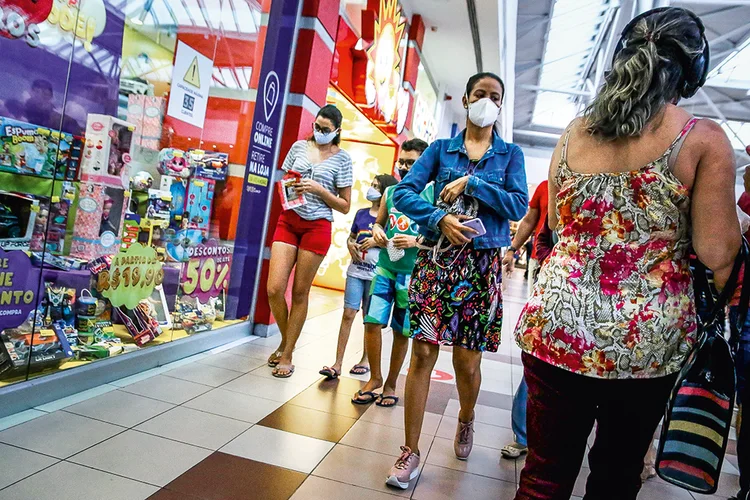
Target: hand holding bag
(696,426)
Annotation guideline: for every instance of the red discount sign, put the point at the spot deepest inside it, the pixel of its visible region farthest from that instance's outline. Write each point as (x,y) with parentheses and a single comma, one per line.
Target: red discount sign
(206,274)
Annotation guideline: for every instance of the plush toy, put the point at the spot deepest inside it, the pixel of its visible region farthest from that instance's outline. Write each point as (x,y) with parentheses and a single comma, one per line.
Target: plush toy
(174,162)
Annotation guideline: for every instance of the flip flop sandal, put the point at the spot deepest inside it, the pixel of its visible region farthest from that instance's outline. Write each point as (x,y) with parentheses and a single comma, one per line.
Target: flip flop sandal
(329,373)
(371,397)
(273,359)
(277,372)
(382,398)
(360,370)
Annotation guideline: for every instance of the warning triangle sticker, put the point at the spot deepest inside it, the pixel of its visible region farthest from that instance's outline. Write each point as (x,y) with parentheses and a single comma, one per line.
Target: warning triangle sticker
(193,74)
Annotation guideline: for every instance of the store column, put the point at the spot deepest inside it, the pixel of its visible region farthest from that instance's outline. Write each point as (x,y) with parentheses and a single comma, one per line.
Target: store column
(307,94)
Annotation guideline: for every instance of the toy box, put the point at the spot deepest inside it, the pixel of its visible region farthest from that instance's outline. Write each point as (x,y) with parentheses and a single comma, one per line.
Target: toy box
(199,200)
(106,157)
(52,220)
(30,149)
(209,164)
(45,348)
(159,204)
(18,213)
(148,232)
(65,263)
(147,113)
(99,220)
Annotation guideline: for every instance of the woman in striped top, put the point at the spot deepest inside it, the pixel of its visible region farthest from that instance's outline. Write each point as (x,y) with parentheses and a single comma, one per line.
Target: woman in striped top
(303,234)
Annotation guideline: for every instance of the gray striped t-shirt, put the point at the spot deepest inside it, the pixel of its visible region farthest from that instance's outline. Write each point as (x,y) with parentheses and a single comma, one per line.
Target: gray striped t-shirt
(333,174)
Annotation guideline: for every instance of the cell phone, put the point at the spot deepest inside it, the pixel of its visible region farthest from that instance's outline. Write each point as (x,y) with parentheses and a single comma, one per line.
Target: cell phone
(476,225)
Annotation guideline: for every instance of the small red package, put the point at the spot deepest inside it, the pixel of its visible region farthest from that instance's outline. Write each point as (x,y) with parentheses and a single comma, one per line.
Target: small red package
(289,197)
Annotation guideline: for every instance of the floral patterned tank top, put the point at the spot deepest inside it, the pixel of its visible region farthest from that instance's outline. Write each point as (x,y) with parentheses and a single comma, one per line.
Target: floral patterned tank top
(615,298)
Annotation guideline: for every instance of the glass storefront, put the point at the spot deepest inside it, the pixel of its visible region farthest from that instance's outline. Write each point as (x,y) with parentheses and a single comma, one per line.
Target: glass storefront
(124,132)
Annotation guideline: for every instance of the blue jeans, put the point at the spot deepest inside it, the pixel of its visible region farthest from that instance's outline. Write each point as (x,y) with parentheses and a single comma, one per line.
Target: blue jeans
(518,413)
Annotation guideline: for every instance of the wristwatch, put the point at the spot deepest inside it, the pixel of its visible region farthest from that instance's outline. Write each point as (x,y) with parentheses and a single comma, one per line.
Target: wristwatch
(512,249)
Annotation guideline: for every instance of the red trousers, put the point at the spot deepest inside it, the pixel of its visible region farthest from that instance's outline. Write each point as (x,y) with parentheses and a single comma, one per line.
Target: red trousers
(561,411)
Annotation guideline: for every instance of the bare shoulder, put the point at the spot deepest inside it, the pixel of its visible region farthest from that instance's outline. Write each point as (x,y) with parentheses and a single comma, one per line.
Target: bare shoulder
(711,138)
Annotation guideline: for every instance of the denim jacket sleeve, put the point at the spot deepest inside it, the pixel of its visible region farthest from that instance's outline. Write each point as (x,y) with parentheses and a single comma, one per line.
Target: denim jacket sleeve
(509,201)
(406,195)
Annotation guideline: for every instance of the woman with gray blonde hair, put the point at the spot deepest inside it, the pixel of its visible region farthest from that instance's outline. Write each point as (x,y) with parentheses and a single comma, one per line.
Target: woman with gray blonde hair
(612,317)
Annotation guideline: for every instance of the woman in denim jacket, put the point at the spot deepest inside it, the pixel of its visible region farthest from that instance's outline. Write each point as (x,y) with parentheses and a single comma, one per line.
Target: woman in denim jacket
(455,294)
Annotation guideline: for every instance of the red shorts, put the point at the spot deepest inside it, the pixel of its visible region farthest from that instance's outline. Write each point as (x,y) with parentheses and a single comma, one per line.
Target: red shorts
(311,235)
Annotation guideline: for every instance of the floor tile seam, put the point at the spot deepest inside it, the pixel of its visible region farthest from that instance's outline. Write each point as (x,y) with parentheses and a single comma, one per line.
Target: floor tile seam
(246,394)
(423,464)
(466,471)
(67,458)
(150,397)
(212,450)
(239,374)
(215,414)
(329,412)
(32,474)
(126,427)
(51,403)
(25,421)
(111,473)
(395,495)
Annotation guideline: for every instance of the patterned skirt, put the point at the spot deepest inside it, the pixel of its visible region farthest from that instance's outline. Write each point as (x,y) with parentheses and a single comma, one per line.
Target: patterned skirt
(458,300)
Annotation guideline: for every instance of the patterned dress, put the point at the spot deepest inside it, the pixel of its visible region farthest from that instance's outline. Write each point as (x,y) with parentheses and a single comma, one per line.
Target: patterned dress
(456,298)
(615,298)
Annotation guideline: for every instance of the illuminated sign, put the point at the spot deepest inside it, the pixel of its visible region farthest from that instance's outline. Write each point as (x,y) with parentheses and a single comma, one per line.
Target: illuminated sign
(383,86)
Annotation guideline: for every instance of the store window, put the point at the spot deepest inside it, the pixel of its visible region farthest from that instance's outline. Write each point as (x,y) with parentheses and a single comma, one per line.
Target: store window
(122,154)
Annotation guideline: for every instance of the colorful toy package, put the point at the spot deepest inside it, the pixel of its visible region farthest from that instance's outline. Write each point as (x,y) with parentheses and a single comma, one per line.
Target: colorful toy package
(209,164)
(99,220)
(198,203)
(30,149)
(106,157)
(53,219)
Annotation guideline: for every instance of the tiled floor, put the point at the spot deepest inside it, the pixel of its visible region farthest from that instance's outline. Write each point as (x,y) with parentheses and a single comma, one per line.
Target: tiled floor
(218,426)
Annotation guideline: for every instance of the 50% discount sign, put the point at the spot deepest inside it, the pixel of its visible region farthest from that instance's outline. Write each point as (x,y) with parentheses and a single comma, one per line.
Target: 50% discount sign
(206,274)
(131,277)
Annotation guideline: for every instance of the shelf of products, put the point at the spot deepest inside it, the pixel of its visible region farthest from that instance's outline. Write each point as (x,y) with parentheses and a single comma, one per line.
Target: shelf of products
(101,255)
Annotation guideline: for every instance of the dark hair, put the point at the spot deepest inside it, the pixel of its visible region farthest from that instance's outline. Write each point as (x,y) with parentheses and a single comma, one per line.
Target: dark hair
(331,112)
(481,76)
(646,74)
(42,85)
(385,181)
(417,145)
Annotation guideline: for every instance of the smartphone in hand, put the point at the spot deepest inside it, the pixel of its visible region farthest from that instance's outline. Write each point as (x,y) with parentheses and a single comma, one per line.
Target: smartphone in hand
(476,225)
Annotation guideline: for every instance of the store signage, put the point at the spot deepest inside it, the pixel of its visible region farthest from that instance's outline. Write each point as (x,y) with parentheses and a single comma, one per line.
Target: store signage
(263,155)
(131,277)
(383,85)
(24,19)
(206,274)
(188,98)
(18,285)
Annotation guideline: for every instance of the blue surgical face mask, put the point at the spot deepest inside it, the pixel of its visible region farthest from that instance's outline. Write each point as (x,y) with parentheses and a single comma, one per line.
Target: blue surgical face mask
(373,194)
(324,139)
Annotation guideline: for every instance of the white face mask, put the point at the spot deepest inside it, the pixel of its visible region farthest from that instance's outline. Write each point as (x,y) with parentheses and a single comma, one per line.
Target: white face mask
(373,194)
(483,112)
(323,139)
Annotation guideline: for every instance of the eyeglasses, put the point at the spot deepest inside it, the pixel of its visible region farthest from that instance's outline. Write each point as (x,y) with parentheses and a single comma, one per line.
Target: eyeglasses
(406,162)
(322,130)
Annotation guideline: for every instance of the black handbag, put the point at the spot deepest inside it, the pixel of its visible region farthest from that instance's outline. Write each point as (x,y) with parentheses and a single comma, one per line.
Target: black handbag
(698,418)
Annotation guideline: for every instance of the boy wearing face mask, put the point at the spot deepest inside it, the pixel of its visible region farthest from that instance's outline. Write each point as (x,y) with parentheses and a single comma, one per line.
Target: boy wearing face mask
(365,253)
(389,291)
